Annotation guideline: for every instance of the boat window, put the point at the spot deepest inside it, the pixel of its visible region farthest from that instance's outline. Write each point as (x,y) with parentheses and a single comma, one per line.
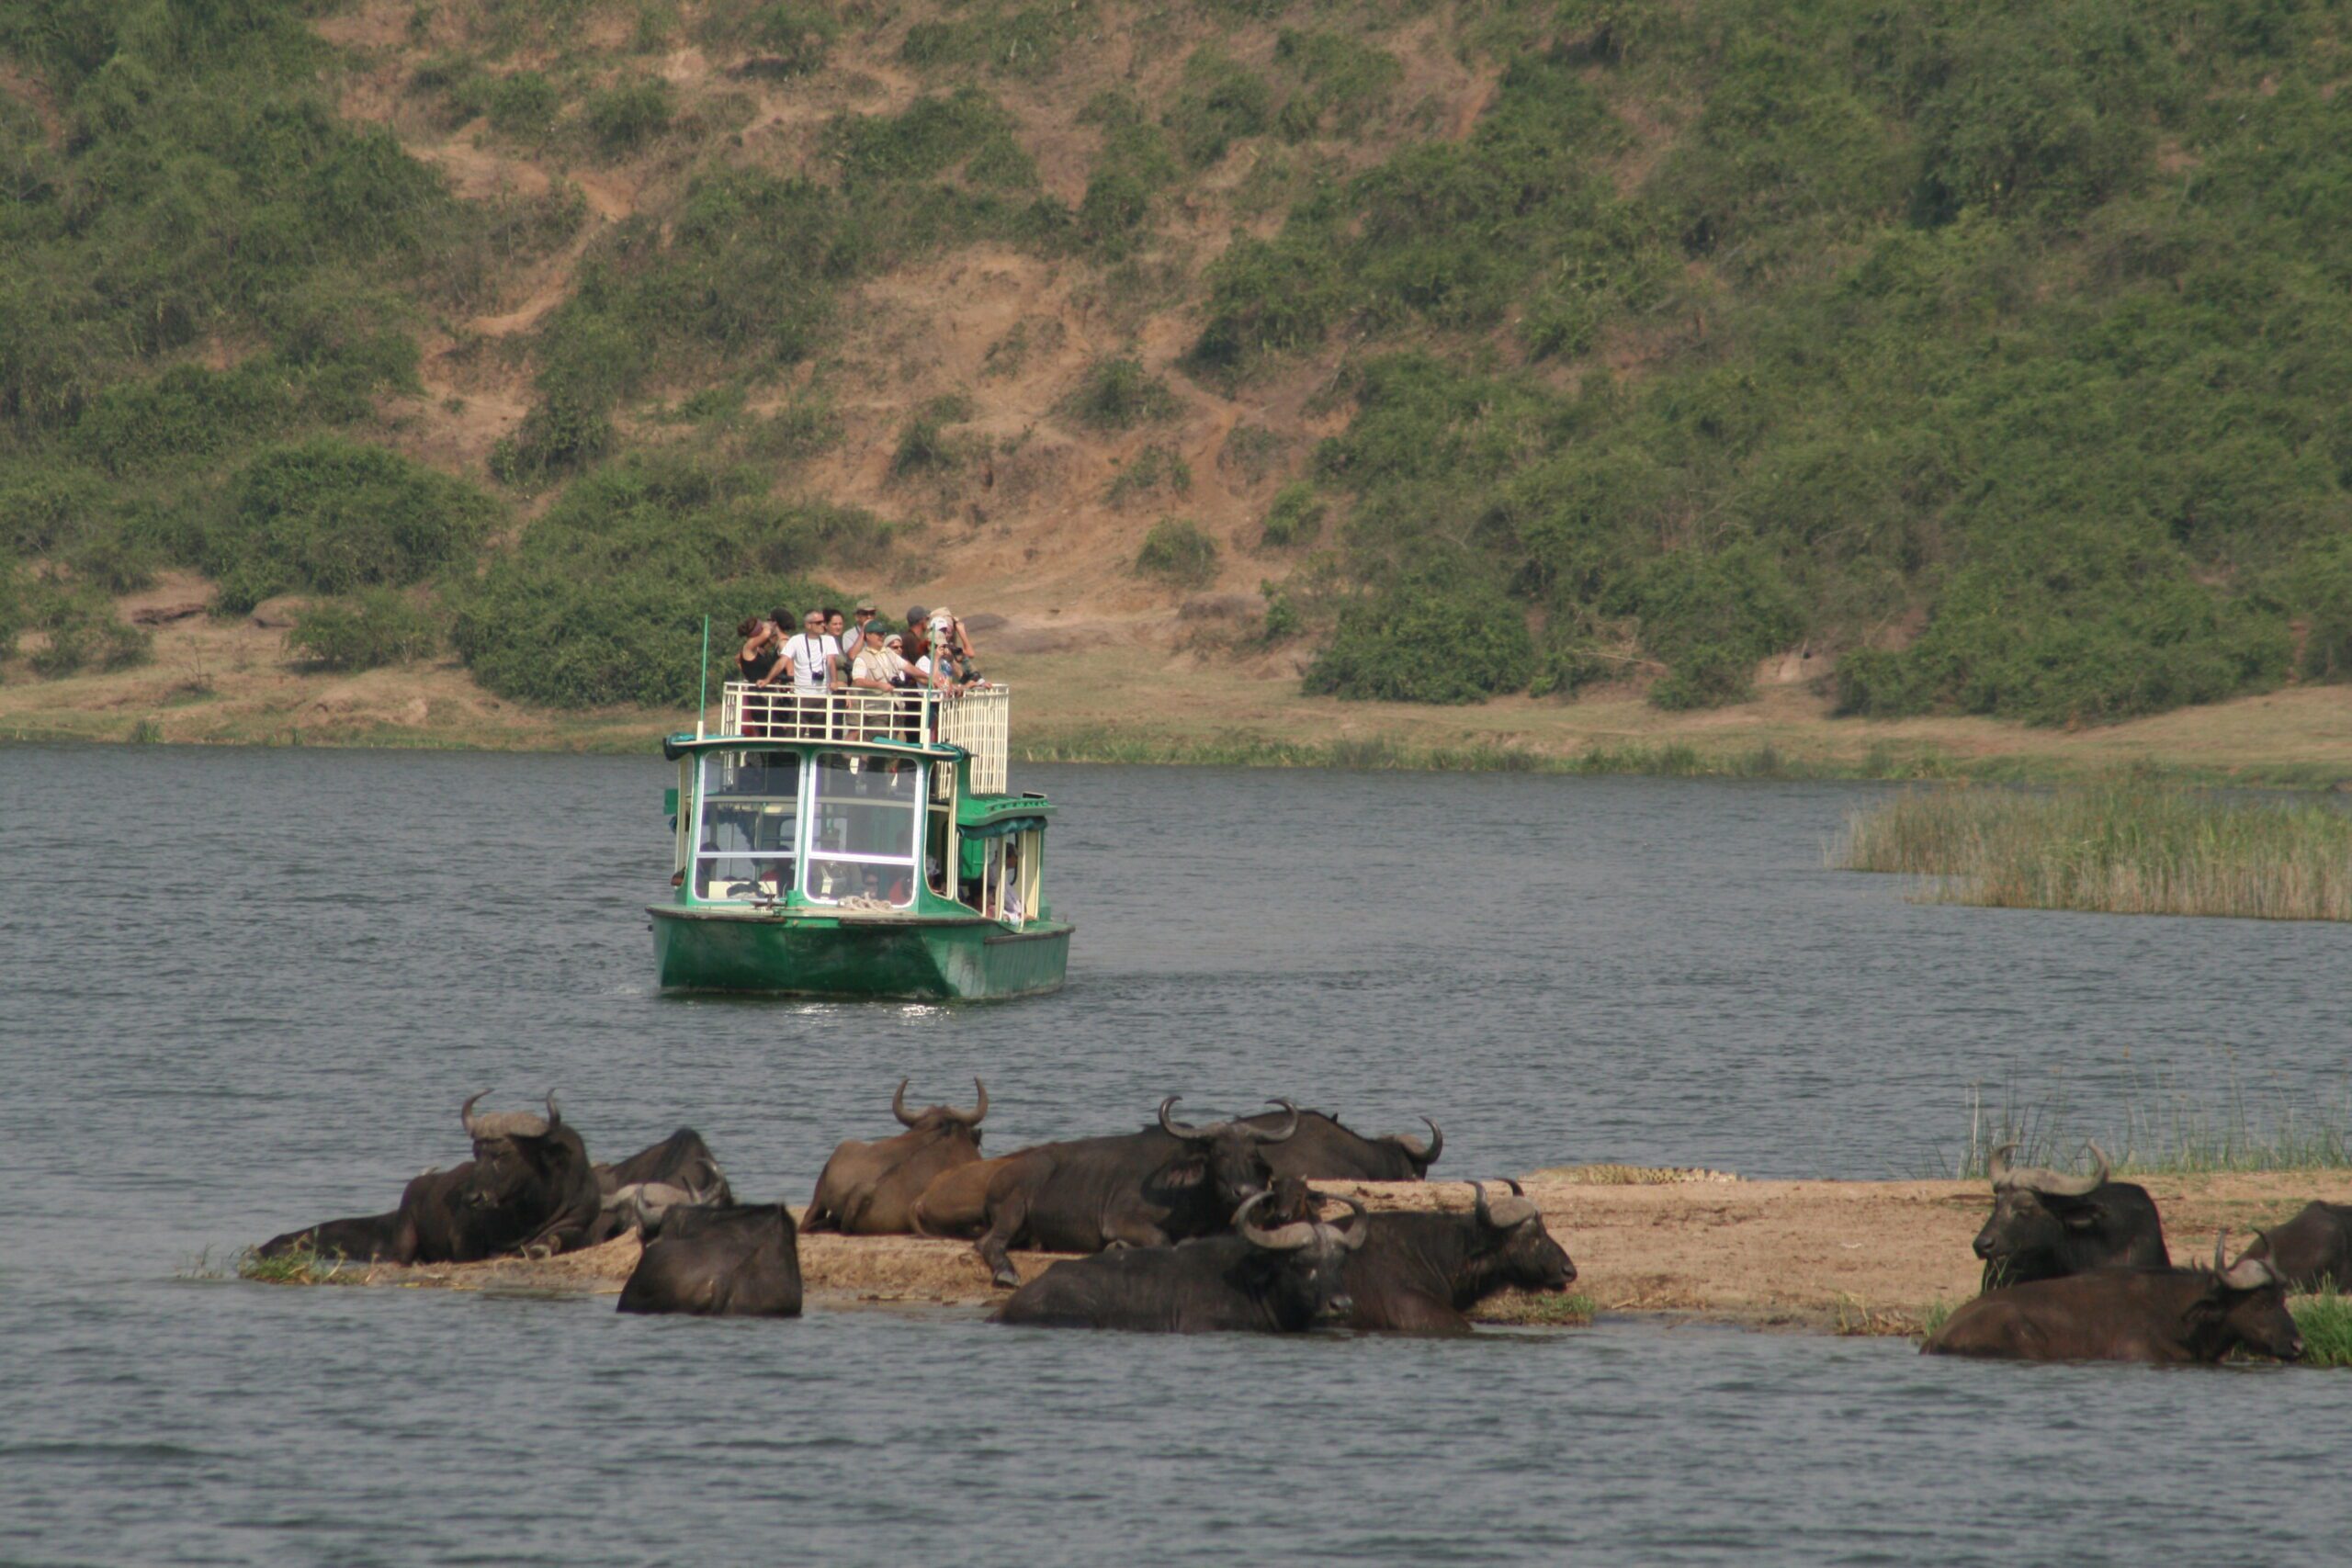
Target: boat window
(861,828)
(746,812)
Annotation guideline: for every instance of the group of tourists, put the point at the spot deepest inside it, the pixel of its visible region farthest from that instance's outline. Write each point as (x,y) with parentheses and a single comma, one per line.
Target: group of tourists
(832,654)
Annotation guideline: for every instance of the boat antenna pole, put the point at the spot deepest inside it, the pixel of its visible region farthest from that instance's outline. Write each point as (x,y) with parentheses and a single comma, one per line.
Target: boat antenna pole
(702,697)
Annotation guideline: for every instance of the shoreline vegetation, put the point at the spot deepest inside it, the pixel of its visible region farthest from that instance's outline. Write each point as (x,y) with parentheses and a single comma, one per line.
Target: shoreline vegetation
(2160,1135)
(2124,848)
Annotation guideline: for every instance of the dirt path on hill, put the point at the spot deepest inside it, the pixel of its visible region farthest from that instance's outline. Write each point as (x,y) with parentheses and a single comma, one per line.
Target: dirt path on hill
(1853,1257)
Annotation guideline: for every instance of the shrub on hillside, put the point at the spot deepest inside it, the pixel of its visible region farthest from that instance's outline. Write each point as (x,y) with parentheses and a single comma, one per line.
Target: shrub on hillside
(372,628)
(1176,553)
(330,516)
(1218,104)
(1711,616)
(1295,518)
(1428,637)
(1118,394)
(625,116)
(84,633)
(603,600)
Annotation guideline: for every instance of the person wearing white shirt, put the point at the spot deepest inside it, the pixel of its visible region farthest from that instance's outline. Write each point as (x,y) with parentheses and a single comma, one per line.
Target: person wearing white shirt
(815,661)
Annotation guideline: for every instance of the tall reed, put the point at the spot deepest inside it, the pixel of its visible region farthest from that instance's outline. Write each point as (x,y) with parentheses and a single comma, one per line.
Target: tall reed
(2160,1131)
(2123,849)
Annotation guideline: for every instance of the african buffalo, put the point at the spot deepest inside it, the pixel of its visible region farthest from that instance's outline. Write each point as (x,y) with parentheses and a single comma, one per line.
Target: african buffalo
(1163,1184)
(1273,1280)
(1419,1272)
(870,1188)
(528,1188)
(739,1260)
(638,1192)
(957,1201)
(2045,1225)
(2311,1251)
(1324,1150)
(2128,1314)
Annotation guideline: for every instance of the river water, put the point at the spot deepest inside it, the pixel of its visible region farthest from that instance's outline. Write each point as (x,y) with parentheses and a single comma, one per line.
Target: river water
(247,989)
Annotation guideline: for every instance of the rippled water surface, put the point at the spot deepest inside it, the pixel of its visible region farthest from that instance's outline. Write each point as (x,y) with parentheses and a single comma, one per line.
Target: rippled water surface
(247,989)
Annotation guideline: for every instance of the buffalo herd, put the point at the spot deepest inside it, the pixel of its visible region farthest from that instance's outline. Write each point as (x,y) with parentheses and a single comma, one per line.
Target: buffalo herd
(2076,1270)
(1188,1226)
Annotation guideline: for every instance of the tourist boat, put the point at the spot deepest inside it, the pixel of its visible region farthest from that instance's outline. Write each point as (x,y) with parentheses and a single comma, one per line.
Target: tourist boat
(856,843)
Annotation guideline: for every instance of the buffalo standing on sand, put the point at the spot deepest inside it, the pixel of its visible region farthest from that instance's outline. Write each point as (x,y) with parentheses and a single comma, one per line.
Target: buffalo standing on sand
(2167,1315)
(2311,1251)
(741,1260)
(1275,1280)
(1161,1185)
(2046,1224)
(1419,1273)
(529,1188)
(871,1189)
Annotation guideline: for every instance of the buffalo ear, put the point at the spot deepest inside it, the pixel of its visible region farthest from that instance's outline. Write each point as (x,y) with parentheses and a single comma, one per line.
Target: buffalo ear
(1185,1173)
(2079,1216)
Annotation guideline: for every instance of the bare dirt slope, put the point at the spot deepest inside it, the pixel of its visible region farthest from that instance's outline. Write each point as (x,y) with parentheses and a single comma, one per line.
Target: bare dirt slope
(1854,1256)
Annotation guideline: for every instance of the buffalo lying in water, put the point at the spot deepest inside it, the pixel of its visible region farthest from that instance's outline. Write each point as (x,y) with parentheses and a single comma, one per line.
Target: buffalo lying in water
(2046,1224)
(1419,1273)
(528,1188)
(871,1189)
(2311,1251)
(1325,1150)
(2167,1315)
(1161,1185)
(739,1260)
(1276,1280)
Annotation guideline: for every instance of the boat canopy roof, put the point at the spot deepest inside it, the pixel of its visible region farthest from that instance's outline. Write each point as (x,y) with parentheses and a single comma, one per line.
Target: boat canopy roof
(992,816)
(683,745)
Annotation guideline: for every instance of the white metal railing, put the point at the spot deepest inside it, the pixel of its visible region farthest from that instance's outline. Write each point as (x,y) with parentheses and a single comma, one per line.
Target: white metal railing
(977,720)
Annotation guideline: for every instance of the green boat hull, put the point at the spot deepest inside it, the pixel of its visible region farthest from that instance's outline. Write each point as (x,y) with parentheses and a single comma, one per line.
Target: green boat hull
(917,959)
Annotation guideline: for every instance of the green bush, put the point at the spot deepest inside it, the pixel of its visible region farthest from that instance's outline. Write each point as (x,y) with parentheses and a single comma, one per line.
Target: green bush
(330,516)
(1118,394)
(1218,104)
(794,37)
(85,632)
(1343,81)
(1176,553)
(524,105)
(625,117)
(372,628)
(1295,518)
(1153,470)
(1712,615)
(1428,637)
(604,598)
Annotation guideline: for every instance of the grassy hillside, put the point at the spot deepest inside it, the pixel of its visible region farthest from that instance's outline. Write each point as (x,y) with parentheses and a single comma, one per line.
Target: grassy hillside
(1994,362)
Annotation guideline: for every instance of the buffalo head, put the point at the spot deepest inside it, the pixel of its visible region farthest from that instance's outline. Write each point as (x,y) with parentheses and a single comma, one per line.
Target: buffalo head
(2046,1224)
(1529,1259)
(1312,1254)
(933,1117)
(2248,1305)
(1230,1155)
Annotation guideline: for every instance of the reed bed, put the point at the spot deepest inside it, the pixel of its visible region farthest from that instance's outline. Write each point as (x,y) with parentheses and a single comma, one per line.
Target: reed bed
(2125,849)
(2160,1135)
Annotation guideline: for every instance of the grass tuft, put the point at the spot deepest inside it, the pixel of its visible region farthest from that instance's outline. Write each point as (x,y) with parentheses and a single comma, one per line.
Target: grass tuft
(2325,1320)
(298,1267)
(2125,849)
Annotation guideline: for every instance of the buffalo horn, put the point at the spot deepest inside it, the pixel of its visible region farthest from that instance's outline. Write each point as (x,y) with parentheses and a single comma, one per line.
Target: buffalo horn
(2251,1274)
(1516,1210)
(466,1111)
(2050,1183)
(1184,1129)
(2220,1251)
(1359,1228)
(898,1104)
(555,1117)
(973,1117)
(1282,1238)
(1261,1136)
(1423,1154)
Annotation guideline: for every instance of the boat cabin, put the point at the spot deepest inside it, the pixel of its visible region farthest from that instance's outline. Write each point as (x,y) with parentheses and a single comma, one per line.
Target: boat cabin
(858,804)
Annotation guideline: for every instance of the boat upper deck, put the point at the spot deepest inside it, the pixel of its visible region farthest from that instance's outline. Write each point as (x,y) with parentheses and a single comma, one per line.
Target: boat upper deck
(977,721)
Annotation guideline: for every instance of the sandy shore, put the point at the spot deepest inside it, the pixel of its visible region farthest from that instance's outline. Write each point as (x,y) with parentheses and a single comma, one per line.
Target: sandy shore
(1852,1257)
